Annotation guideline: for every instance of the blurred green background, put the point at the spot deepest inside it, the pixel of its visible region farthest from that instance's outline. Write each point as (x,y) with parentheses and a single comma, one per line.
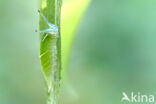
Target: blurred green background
(114,51)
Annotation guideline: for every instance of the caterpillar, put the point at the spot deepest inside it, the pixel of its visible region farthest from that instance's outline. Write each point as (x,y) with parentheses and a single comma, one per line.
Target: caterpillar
(49,55)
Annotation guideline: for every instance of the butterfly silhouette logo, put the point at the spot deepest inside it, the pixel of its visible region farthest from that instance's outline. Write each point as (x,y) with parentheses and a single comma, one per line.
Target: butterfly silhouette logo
(125,97)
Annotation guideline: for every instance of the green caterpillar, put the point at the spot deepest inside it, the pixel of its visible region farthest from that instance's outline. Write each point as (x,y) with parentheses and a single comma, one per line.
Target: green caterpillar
(50,47)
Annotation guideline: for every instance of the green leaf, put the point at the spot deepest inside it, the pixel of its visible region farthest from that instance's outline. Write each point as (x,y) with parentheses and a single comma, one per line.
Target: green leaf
(50,49)
(72,12)
(50,46)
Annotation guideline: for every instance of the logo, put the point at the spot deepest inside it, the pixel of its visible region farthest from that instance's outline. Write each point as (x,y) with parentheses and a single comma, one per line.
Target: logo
(137,98)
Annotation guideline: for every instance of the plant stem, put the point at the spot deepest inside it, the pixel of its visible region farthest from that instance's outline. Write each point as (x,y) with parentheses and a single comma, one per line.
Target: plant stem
(50,49)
